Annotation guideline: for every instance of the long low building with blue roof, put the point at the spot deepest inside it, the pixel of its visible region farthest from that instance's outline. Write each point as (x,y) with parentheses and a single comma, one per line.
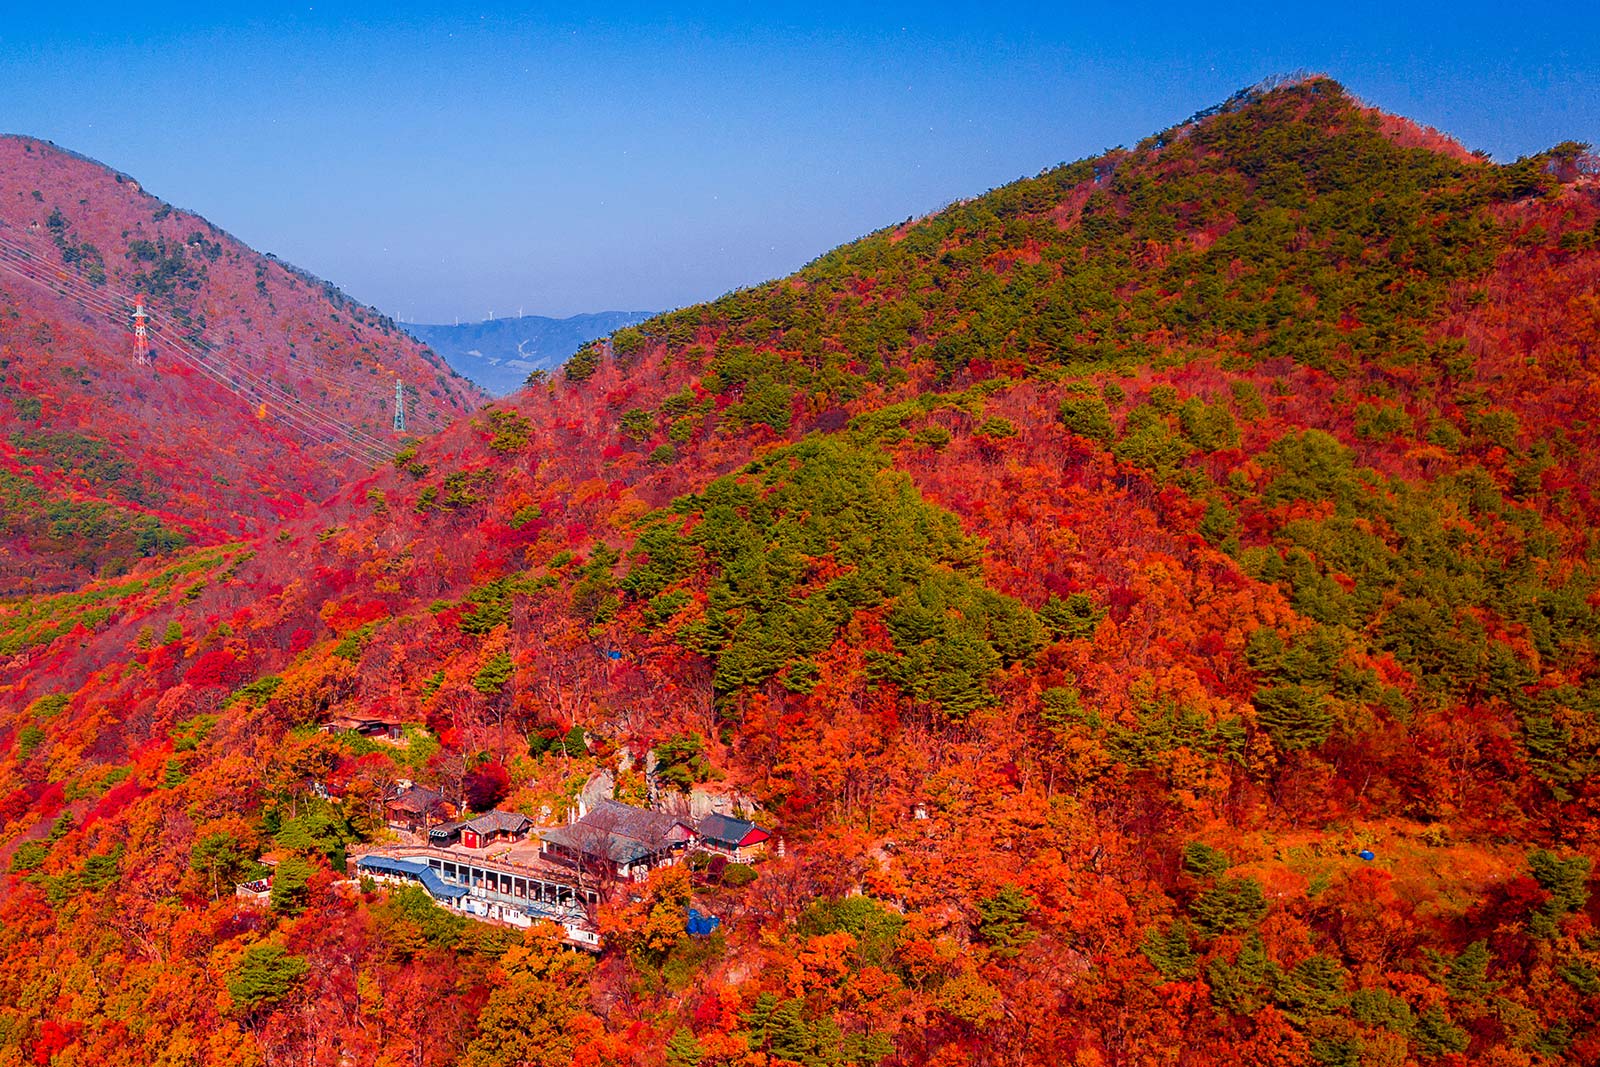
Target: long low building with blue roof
(412,870)
(489,890)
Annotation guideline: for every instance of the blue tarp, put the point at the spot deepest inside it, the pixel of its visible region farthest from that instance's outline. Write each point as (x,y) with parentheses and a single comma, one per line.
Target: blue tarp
(701,925)
(417,869)
(1367,854)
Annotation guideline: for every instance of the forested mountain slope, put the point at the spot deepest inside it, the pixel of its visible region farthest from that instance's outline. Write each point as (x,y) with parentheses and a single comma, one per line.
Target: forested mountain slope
(1172,528)
(99,463)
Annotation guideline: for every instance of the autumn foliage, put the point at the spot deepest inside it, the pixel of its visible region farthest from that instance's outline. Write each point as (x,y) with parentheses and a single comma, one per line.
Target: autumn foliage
(1154,602)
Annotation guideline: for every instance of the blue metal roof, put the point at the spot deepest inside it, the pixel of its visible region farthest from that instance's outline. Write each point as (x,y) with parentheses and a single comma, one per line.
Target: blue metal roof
(417,869)
(439,887)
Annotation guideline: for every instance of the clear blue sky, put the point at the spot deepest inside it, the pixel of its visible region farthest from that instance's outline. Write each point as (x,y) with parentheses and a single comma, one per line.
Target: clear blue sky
(448,161)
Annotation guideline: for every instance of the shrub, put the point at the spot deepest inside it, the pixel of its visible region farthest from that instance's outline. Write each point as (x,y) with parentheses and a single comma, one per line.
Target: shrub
(1436,1035)
(494,675)
(1060,705)
(583,363)
(637,424)
(1203,861)
(1003,919)
(1077,617)
(765,401)
(681,761)
(1170,952)
(1087,416)
(1564,879)
(1209,426)
(29,738)
(738,875)
(1164,398)
(575,743)
(257,693)
(1232,904)
(291,889)
(29,855)
(50,704)
(1296,716)
(486,786)
(265,975)
(997,428)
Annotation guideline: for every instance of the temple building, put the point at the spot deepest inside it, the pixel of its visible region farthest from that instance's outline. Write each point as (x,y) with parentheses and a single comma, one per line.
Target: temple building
(738,839)
(619,838)
(490,828)
(415,808)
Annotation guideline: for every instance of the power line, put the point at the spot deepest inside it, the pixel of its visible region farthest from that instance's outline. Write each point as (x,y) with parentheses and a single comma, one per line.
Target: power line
(239,374)
(308,423)
(297,416)
(222,366)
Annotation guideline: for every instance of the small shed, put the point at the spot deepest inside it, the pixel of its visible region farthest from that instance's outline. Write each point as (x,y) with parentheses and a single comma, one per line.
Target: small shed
(416,807)
(494,826)
(257,891)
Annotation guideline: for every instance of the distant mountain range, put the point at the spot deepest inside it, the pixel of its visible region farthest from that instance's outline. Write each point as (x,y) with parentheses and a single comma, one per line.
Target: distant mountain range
(499,353)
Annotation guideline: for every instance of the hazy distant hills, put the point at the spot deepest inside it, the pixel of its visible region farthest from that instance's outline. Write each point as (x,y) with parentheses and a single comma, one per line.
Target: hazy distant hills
(499,353)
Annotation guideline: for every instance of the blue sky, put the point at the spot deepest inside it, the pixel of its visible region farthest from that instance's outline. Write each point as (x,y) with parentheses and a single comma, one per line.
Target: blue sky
(447,161)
